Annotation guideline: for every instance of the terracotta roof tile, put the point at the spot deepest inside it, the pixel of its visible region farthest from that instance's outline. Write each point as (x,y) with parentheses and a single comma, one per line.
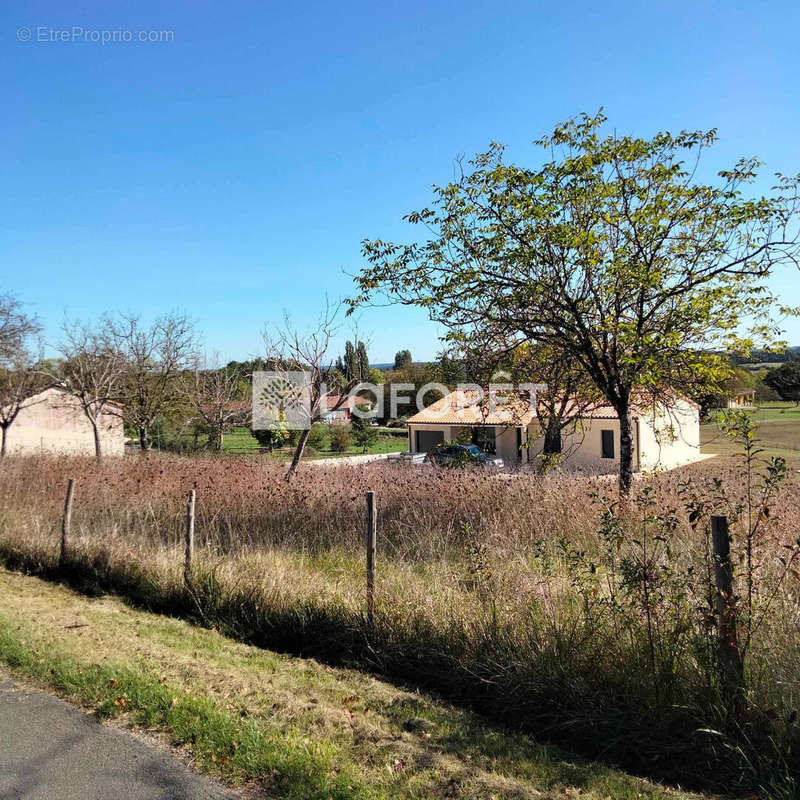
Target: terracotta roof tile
(471,407)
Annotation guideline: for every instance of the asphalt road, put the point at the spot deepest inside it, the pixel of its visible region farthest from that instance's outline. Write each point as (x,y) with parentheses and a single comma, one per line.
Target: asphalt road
(52,751)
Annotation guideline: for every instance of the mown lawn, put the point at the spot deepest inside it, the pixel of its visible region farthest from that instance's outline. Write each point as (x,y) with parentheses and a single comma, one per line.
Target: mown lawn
(778,433)
(777,412)
(239,440)
(283,726)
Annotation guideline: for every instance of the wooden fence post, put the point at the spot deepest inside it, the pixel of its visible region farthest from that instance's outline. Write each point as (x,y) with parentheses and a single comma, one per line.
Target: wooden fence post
(65,521)
(371,542)
(187,564)
(731,666)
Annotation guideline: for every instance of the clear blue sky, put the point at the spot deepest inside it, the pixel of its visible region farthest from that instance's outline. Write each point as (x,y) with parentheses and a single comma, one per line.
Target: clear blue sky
(233,171)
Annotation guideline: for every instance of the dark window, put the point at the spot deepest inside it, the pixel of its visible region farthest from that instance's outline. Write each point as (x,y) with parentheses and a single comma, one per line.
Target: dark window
(608,444)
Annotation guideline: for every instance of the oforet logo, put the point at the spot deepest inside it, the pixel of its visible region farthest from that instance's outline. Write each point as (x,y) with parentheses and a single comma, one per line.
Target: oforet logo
(282,399)
(289,400)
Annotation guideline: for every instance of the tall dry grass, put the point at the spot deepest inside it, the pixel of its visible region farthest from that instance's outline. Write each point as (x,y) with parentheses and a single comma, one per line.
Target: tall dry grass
(537,600)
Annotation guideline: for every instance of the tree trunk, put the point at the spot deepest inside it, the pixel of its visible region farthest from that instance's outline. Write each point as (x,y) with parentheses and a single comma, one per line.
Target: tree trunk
(98,450)
(552,437)
(298,454)
(625,450)
(3,445)
(144,441)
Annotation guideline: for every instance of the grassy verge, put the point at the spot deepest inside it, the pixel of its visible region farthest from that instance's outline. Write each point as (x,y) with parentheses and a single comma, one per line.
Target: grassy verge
(296,728)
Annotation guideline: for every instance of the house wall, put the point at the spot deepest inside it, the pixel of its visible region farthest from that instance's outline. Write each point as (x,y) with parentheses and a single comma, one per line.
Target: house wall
(583,448)
(506,439)
(55,423)
(662,439)
(670,436)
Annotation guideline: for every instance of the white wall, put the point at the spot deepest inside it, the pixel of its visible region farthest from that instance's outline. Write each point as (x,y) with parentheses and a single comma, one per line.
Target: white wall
(55,423)
(505,439)
(583,447)
(506,444)
(670,436)
(663,438)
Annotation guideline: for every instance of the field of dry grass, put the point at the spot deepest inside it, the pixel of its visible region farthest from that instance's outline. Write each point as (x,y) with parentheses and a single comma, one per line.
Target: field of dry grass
(538,601)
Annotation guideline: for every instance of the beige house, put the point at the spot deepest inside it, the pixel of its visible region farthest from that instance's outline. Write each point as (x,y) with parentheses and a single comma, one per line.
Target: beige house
(664,436)
(53,422)
(743,398)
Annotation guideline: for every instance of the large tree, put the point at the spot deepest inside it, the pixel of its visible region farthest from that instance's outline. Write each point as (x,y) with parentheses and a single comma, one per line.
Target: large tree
(362,362)
(155,357)
(92,371)
(354,366)
(611,251)
(402,359)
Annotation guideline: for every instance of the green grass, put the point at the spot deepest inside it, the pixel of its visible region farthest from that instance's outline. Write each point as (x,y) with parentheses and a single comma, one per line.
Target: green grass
(223,743)
(240,441)
(777,412)
(292,727)
(778,433)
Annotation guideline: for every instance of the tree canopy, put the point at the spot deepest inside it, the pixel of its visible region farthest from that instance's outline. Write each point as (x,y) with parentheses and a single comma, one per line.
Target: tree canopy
(785,380)
(610,251)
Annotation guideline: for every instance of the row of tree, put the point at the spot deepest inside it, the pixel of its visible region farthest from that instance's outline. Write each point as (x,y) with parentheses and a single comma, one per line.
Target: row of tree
(785,380)
(155,377)
(608,266)
(118,366)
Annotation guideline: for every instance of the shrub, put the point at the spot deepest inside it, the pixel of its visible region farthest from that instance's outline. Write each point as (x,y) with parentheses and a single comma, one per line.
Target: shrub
(318,436)
(364,434)
(340,438)
(270,438)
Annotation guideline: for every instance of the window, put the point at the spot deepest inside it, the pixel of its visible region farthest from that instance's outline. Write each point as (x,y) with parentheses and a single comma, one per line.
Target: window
(608,444)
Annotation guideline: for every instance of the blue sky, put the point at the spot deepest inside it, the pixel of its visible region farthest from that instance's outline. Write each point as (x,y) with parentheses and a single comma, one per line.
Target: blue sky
(233,171)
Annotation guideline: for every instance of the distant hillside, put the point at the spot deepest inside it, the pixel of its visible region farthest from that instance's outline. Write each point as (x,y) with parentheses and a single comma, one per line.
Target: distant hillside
(765,357)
